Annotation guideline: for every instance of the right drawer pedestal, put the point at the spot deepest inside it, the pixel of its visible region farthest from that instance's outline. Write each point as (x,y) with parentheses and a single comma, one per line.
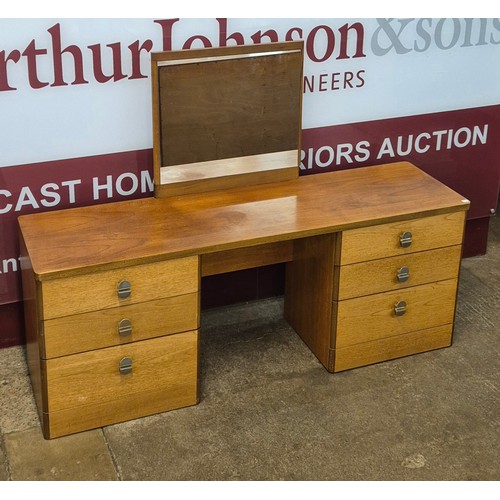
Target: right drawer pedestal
(395,290)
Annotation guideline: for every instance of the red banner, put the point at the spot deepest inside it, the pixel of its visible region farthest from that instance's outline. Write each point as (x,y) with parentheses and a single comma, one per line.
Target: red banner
(459,148)
(56,185)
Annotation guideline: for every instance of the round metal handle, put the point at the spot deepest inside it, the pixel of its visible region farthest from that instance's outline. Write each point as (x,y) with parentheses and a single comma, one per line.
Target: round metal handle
(124,289)
(405,239)
(125,366)
(125,328)
(400,308)
(403,274)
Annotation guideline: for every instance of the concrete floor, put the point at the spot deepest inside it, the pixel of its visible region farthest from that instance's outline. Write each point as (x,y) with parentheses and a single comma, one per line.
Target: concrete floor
(269,411)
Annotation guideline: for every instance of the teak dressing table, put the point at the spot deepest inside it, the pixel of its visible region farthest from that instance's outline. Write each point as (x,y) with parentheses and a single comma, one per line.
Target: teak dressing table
(112,292)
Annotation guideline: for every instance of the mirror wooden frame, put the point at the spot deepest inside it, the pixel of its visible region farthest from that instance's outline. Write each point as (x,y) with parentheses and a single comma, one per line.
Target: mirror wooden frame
(226,116)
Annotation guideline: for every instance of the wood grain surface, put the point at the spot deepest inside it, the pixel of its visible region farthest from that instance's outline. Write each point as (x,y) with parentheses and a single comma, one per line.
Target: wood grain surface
(32,304)
(380,275)
(372,317)
(99,329)
(216,169)
(309,293)
(376,242)
(224,174)
(87,390)
(94,291)
(394,347)
(215,105)
(230,108)
(246,258)
(114,235)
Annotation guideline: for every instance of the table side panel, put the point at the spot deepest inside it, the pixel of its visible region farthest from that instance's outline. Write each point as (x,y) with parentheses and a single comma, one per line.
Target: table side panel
(34,336)
(309,293)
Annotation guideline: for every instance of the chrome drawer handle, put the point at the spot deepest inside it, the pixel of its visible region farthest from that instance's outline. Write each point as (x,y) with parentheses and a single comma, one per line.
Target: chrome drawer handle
(405,239)
(403,274)
(400,308)
(125,327)
(124,289)
(125,366)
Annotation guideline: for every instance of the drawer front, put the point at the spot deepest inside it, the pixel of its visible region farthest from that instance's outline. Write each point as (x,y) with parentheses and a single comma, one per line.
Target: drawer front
(100,290)
(395,273)
(120,325)
(373,317)
(91,388)
(392,347)
(386,240)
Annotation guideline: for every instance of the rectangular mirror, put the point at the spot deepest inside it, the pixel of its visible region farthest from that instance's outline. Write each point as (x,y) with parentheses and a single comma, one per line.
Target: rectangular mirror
(226,117)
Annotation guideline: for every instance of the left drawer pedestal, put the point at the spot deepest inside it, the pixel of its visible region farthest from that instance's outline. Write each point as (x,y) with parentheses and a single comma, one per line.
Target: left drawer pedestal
(99,355)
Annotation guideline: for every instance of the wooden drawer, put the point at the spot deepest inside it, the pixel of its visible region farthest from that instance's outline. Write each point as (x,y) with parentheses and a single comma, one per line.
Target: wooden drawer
(373,317)
(392,347)
(87,390)
(377,242)
(99,290)
(99,329)
(381,275)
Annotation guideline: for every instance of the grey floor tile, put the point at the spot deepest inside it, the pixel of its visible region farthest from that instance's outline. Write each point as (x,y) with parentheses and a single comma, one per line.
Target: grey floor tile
(81,457)
(269,411)
(487,267)
(16,396)
(4,472)
(494,226)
